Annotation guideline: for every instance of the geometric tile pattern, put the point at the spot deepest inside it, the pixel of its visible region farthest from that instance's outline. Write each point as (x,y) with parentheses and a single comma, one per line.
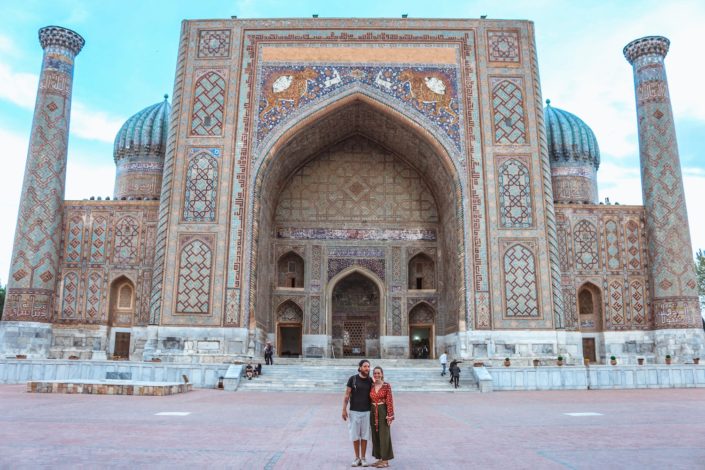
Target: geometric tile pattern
(585,239)
(514,195)
(94,290)
(126,240)
(193,293)
(201,188)
(612,245)
(508,111)
(615,315)
(315,314)
(289,312)
(208,106)
(503,46)
(99,231)
(396,317)
(336,265)
(520,285)
(214,43)
(422,314)
(74,240)
(632,244)
(69,304)
(638,303)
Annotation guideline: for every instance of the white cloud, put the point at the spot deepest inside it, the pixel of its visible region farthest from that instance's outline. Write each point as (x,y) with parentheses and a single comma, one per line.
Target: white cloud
(94,124)
(14,148)
(84,180)
(19,88)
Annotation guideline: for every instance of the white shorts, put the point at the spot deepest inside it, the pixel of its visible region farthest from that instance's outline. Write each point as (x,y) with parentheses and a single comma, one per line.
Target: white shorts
(359,425)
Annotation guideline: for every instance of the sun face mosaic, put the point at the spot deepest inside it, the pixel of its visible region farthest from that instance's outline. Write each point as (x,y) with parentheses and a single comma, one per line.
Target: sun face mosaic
(431,91)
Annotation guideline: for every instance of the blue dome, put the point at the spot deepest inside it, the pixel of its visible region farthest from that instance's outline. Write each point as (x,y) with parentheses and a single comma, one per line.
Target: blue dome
(145,132)
(570,140)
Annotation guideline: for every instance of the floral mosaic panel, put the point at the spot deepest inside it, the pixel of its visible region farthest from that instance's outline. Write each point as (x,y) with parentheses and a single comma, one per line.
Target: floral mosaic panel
(514,195)
(290,312)
(201,187)
(520,286)
(431,91)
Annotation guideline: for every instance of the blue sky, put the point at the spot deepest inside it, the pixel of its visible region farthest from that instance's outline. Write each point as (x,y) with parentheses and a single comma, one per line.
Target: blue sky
(129,59)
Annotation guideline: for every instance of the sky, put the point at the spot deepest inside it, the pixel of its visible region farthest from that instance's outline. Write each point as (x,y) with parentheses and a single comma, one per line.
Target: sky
(129,60)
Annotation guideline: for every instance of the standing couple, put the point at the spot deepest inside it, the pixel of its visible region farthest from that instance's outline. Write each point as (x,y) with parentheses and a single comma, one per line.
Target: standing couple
(370,416)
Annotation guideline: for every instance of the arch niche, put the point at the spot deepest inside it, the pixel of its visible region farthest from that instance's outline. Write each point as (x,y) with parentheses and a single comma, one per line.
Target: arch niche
(357,115)
(120,316)
(590,319)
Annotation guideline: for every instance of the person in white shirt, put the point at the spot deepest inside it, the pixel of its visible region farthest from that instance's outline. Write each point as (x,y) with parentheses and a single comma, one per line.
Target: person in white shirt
(444,363)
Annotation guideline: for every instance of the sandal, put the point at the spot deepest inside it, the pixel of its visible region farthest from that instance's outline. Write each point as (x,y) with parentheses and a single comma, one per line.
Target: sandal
(381,464)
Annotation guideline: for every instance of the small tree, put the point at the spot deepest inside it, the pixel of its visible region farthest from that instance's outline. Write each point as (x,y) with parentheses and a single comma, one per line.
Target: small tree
(700,272)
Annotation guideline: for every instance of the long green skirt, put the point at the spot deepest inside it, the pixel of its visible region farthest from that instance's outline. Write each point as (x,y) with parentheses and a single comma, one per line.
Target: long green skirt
(382,438)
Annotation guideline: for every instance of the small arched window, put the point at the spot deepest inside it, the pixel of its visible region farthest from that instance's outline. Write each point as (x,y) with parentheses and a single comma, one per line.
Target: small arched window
(124,297)
(422,272)
(290,270)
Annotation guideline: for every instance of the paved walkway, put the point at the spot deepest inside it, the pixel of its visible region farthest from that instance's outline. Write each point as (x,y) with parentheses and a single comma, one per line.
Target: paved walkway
(518,430)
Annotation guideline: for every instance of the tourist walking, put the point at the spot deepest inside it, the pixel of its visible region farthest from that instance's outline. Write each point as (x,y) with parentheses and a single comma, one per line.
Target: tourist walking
(454,373)
(268,354)
(381,419)
(357,394)
(444,363)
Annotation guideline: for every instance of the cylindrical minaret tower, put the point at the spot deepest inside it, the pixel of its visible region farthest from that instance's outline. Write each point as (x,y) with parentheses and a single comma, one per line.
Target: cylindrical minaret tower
(35,257)
(671,265)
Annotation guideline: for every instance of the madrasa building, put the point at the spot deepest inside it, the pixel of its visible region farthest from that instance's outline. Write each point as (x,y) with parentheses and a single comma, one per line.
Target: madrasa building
(387,188)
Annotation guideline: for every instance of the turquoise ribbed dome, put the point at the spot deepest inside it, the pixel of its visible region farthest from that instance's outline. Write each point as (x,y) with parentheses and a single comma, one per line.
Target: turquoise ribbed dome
(570,140)
(145,132)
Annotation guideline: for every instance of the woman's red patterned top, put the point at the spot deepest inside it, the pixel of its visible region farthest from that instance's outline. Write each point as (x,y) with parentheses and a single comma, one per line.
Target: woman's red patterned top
(383,396)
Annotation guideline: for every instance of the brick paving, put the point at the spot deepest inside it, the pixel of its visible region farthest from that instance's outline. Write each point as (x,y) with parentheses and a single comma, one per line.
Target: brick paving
(634,429)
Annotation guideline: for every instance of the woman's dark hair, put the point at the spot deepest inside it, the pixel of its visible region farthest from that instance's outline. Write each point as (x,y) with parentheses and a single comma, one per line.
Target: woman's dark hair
(359,366)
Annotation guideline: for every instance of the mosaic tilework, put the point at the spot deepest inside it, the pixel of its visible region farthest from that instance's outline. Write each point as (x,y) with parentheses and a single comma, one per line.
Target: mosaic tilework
(232,310)
(214,43)
(69,297)
(355,234)
(422,314)
(613,257)
(503,46)
(74,240)
(208,108)
(514,189)
(632,245)
(520,283)
(126,242)
(615,293)
(396,317)
(94,291)
(290,312)
(193,291)
(99,231)
(571,312)
(670,250)
(638,303)
(585,246)
(201,187)
(37,244)
(508,111)
(432,91)
(355,252)
(315,314)
(336,265)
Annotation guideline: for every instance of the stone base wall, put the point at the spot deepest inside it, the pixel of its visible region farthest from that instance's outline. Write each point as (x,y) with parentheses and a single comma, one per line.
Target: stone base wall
(30,339)
(83,342)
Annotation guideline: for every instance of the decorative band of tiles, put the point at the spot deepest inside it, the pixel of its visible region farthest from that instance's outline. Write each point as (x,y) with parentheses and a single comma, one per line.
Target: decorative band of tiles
(356,234)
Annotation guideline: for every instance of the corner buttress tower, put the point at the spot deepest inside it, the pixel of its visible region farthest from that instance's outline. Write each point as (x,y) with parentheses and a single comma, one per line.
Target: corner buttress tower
(35,257)
(671,265)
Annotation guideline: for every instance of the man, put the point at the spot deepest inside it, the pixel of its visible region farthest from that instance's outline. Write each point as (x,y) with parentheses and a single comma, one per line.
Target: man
(268,353)
(444,363)
(357,393)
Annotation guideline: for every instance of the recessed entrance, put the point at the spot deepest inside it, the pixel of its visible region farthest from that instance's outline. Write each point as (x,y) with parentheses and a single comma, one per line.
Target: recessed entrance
(289,340)
(356,304)
(122,346)
(421,341)
(589,350)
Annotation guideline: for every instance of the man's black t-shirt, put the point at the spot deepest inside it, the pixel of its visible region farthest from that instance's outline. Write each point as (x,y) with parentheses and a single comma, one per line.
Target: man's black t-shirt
(360,395)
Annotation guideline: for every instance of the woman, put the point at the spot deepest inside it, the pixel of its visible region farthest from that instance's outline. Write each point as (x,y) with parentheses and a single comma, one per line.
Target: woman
(381,419)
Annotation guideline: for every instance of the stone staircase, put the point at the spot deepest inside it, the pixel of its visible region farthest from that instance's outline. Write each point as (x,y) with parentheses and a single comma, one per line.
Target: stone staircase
(331,375)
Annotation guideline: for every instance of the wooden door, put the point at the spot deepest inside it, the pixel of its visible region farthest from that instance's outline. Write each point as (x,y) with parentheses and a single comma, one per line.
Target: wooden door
(589,350)
(122,345)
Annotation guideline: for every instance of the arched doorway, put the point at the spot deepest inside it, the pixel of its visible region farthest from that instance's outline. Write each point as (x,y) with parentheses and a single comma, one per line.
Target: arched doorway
(421,331)
(290,320)
(356,127)
(355,311)
(590,319)
(122,310)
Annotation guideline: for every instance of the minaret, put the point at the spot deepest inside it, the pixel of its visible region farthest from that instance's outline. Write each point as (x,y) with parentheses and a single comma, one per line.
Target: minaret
(671,265)
(35,258)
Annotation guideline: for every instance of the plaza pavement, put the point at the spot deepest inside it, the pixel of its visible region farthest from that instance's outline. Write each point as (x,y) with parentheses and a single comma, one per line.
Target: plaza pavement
(645,429)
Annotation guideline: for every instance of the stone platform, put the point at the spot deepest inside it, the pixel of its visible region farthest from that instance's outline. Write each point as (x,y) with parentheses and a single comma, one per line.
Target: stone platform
(108,387)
